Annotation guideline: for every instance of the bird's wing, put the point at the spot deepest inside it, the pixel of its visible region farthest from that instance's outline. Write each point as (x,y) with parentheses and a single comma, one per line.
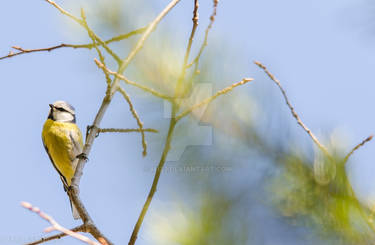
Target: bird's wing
(63,179)
(77,145)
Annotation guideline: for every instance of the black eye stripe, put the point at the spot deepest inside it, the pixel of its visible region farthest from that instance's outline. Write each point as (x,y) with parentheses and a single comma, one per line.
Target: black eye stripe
(60,109)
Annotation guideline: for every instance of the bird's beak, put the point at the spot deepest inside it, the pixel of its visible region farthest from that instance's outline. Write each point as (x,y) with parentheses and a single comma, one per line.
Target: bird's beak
(50,105)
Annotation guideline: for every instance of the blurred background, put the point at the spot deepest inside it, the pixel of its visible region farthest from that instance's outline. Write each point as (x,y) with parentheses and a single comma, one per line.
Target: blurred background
(240,171)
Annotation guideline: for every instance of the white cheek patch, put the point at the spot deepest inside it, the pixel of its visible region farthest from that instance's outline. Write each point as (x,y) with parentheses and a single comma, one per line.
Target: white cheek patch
(62,116)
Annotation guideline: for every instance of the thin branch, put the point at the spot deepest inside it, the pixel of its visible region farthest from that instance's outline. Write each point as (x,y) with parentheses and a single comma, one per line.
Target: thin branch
(65,12)
(357,147)
(208,100)
(294,113)
(57,236)
(126,130)
(123,78)
(205,42)
(75,46)
(135,115)
(56,226)
(188,49)
(24,51)
(152,191)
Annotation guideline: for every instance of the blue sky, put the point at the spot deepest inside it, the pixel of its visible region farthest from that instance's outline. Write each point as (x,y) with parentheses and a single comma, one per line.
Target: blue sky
(322,52)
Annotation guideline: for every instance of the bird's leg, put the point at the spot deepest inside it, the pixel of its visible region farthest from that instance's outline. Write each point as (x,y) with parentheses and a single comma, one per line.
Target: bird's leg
(88,129)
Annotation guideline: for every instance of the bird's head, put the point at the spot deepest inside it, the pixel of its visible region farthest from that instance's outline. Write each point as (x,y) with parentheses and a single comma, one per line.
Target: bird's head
(62,111)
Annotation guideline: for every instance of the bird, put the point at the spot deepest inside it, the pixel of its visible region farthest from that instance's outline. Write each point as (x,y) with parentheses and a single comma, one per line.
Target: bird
(63,142)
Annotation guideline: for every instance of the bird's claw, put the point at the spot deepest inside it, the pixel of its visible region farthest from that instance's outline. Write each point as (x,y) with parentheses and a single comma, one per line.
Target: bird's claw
(89,127)
(83,156)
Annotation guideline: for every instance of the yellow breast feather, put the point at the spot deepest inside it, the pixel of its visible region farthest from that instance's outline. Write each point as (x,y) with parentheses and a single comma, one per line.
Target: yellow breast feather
(58,141)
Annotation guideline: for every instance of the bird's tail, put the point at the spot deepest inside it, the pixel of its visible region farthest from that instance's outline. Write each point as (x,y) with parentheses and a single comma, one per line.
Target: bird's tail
(74,210)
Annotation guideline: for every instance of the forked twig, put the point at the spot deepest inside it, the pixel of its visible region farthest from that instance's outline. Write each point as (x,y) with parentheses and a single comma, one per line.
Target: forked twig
(56,226)
(123,78)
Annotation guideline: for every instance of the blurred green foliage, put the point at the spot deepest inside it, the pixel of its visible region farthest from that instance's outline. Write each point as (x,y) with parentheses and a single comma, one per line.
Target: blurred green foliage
(213,218)
(330,207)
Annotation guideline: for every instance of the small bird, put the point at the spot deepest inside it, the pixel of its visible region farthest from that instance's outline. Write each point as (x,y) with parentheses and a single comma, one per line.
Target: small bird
(62,140)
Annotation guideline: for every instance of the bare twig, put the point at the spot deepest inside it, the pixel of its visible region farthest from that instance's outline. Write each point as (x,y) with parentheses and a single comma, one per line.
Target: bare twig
(135,115)
(123,78)
(25,51)
(56,226)
(75,46)
(208,100)
(357,147)
(205,42)
(126,130)
(294,113)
